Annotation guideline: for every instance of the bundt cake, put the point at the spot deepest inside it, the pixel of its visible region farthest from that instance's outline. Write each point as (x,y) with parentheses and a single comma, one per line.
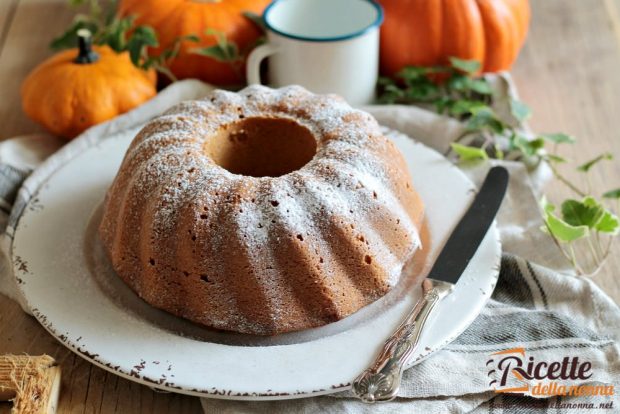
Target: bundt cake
(262,212)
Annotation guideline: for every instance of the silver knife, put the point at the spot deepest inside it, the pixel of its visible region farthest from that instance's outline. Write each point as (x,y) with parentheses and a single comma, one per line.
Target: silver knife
(381,381)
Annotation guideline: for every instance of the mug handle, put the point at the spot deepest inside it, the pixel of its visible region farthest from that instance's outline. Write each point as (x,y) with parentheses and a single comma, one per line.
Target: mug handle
(252,70)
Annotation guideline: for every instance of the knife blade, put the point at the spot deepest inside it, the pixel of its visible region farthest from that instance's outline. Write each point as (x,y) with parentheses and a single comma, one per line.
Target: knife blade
(471,229)
(381,381)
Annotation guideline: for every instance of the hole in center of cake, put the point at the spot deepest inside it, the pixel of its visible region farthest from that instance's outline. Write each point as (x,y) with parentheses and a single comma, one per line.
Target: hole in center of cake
(262,147)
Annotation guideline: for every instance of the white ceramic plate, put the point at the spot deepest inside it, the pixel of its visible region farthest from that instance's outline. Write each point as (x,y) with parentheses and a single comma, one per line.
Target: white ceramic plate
(77,298)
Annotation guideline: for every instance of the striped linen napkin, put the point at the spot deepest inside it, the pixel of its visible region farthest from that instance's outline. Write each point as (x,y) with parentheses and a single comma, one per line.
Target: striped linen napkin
(547,324)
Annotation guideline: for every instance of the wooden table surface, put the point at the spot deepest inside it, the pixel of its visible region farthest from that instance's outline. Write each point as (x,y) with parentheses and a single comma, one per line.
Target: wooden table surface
(568,72)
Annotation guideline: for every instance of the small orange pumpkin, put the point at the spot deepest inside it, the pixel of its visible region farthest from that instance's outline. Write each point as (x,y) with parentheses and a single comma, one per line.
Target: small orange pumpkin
(428,32)
(78,88)
(173,19)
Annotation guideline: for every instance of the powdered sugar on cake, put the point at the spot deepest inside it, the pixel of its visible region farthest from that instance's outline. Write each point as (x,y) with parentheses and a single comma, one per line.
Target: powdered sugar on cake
(348,183)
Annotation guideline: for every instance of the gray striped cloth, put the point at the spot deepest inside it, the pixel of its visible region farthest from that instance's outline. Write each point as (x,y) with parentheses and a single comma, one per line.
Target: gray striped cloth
(539,313)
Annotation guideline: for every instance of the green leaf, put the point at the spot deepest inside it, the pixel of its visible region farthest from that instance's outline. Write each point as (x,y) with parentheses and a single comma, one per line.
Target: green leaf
(469,67)
(467,153)
(422,91)
(444,104)
(384,81)
(115,35)
(558,138)
(586,167)
(546,206)
(481,86)
(69,39)
(189,38)
(391,94)
(484,117)
(612,194)
(564,231)
(215,52)
(414,72)
(141,38)
(257,19)
(465,84)
(528,147)
(555,158)
(590,213)
(519,110)
(459,82)
(560,229)
(222,51)
(608,223)
(465,107)
(582,213)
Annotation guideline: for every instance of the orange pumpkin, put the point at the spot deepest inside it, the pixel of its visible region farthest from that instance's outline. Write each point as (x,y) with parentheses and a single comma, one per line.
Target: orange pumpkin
(176,18)
(428,32)
(78,88)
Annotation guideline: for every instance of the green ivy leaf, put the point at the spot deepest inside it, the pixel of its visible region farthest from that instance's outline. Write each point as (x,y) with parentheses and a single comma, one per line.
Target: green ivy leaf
(558,138)
(459,82)
(391,93)
(555,158)
(469,67)
(529,147)
(424,92)
(444,104)
(480,86)
(519,110)
(546,206)
(467,153)
(590,213)
(190,38)
(172,52)
(560,229)
(115,35)
(466,84)
(582,213)
(564,231)
(483,117)
(465,107)
(215,52)
(612,194)
(409,73)
(141,38)
(608,223)
(222,51)
(256,19)
(586,167)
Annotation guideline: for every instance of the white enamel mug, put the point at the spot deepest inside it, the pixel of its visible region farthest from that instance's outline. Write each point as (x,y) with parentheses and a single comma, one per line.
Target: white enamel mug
(326,46)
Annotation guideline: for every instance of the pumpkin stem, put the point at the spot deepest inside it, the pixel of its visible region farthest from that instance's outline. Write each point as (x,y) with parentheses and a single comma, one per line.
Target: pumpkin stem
(85,45)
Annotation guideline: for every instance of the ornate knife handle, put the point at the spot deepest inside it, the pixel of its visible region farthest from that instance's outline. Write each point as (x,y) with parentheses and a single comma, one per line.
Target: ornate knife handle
(381,381)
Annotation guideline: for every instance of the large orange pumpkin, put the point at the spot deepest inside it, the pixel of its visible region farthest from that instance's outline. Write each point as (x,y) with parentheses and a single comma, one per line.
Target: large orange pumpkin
(175,18)
(428,32)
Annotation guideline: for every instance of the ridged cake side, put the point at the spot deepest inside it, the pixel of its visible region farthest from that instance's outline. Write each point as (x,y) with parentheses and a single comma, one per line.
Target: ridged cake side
(261,255)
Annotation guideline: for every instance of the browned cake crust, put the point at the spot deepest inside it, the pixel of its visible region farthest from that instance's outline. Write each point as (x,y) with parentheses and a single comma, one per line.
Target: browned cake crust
(261,212)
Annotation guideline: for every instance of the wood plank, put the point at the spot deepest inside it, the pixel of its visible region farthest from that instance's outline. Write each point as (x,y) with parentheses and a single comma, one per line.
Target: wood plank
(568,73)
(7,11)
(34,24)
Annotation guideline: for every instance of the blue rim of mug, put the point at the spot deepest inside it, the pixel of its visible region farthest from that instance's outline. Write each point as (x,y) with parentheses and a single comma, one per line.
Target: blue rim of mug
(348,36)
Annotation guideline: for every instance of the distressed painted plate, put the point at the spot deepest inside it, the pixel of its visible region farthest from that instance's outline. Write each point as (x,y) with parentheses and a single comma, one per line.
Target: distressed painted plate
(74,294)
